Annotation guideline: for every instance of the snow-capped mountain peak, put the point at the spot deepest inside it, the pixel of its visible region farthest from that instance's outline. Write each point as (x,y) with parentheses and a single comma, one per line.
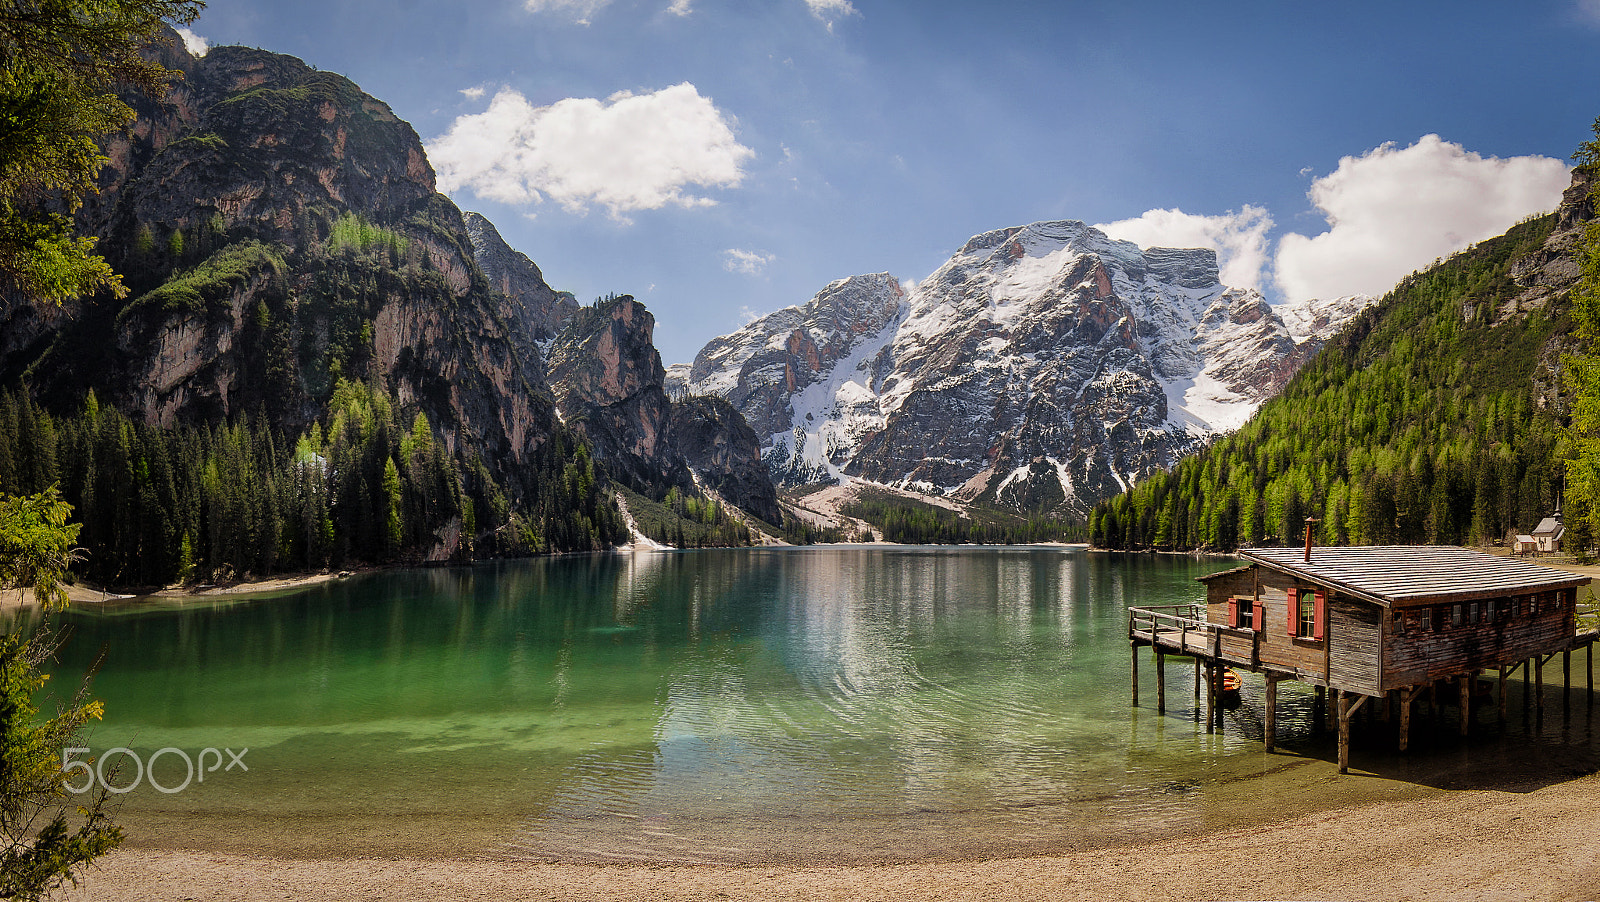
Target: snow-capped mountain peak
(1042,366)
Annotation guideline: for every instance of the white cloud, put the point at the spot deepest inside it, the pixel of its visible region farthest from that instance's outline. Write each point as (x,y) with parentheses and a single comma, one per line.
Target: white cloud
(1240,239)
(1393,210)
(680,7)
(195,44)
(748,315)
(475,92)
(1589,11)
(751,263)
(627,152)
(581,11)
(831,11)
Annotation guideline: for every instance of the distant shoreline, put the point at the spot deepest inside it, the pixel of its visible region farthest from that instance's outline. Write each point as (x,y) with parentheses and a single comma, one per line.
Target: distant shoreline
(79,594)
(84,594)
(88,595)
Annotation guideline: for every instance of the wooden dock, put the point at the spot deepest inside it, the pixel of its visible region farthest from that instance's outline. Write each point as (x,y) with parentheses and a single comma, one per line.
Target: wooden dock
(1184,631)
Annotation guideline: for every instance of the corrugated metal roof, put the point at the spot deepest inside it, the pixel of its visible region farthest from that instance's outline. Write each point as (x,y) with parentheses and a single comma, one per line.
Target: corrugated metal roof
(1415,574)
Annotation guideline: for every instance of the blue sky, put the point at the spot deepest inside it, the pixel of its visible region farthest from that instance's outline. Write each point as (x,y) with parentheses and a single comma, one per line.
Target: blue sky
(723,158)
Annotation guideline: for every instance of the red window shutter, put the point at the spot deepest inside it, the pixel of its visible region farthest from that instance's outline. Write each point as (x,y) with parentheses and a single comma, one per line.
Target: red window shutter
(1294,612)
(1233,613)
(1258,616)
(1321,615)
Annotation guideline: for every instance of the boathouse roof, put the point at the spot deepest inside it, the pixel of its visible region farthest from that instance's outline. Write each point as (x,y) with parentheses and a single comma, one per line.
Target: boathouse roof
(1413,574)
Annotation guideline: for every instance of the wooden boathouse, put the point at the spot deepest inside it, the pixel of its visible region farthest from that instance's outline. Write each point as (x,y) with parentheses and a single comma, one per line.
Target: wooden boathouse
(1368,624)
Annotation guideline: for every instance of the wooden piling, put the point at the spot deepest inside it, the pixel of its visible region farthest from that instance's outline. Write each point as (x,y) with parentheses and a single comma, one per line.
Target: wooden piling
(1211,697)
(1272,713)
(1566,679)
(1538,683)
(1501,695)
(1135,674)
(1405,716)
(1161,682)
(1466,703)
(1344,732)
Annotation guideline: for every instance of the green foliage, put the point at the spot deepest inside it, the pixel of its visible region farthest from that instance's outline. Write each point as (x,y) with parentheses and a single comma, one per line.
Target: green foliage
(49,834)
(201,141)
(36,548)
(799,531)
(913,522)
(41,257)
(351,232)
(37,545)
(61,63)
(1417,424)
(209,284)
(685,520)
(1583,372)
(213,503)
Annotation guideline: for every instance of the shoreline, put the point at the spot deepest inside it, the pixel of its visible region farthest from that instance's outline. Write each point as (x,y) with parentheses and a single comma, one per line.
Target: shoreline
(1465,844)
(88,595)
(85,594)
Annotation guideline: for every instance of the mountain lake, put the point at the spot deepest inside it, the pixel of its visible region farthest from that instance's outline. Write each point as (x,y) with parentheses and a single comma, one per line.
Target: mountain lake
(843,704)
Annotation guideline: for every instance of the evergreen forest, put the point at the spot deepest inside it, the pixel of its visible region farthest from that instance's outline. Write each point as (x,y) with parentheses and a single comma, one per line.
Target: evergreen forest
(913,522)
(213,503)
(1435,417)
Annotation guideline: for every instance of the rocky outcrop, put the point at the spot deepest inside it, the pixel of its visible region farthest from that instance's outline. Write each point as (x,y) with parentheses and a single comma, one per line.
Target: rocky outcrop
(534,309)
(279,230)
(609,384)
(1554,268)
(1043,367)
(761,367)
(723,450)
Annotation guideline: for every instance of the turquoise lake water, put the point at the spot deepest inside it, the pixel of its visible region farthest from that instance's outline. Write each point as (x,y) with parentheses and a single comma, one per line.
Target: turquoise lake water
(730,706)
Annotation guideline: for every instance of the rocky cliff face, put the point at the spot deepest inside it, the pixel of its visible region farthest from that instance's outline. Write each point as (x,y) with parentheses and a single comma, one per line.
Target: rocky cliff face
(535,310)
(279,230)
(608,381)
(1042,367)
(610,385)
(760,368)
(725,453)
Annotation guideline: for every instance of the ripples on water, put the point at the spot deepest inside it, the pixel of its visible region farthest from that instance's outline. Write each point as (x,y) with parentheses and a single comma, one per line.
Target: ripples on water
(749,705)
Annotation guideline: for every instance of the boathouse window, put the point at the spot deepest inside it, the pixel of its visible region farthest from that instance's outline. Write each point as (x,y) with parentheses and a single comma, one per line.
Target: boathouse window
(1457,615)
(1307,613)
(1242,613)
(1425,619)
(1472,614)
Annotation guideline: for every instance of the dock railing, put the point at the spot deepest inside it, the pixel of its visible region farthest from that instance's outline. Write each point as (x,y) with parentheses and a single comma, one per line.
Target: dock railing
(1181,627)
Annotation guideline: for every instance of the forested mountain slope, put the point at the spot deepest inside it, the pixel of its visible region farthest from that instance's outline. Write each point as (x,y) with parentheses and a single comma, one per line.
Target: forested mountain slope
(311,367)
(1433,417)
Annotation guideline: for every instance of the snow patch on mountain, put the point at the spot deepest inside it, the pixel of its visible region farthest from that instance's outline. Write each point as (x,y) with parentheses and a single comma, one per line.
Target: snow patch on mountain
(1043,366)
